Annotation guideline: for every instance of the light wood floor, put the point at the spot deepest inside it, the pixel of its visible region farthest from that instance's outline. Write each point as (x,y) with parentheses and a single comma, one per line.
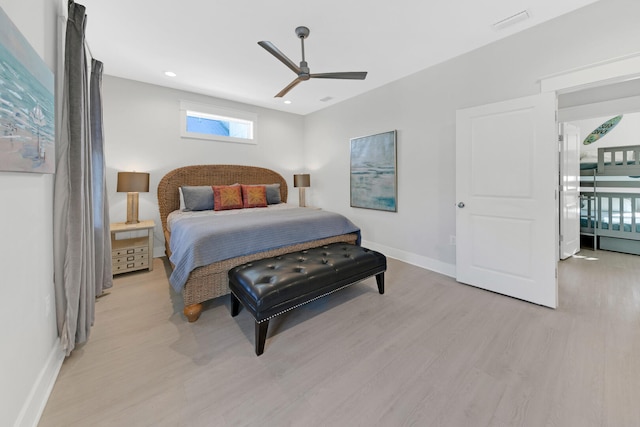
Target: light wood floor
(430,352)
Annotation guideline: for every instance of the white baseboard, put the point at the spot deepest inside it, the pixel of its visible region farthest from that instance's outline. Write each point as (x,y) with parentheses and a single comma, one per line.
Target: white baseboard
(413,259)
(36,401)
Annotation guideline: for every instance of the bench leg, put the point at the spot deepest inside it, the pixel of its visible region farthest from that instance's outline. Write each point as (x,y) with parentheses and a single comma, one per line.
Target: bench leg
(261,336)
(235,305)
(380,281)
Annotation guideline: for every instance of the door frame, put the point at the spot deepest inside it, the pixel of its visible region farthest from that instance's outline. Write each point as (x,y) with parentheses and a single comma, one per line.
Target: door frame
(599,74)
(614,70)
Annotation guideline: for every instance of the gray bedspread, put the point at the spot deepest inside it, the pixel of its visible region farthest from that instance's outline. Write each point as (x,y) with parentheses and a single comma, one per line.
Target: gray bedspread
(200,241)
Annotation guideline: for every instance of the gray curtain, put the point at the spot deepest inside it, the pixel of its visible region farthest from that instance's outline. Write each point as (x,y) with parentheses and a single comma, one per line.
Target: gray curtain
(81,270)
(102,236)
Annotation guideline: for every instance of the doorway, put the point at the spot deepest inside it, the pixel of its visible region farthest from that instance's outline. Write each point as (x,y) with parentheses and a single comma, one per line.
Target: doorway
(576,90)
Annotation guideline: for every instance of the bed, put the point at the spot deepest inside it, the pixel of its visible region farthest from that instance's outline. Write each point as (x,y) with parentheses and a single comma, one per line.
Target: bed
(610,199)
(210,281)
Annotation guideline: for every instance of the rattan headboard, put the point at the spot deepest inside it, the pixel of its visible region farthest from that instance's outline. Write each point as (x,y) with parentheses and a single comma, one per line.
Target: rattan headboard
(169,196)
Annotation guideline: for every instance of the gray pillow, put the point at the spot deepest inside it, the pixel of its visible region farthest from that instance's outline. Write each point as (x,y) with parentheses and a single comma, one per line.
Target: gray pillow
(273,194)
(197,198)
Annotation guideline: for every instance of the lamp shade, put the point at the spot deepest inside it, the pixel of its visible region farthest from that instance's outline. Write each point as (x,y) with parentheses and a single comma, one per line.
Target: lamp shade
(302,180)
(129,182)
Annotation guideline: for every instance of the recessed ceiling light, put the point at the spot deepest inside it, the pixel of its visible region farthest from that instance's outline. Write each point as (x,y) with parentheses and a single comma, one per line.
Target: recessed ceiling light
(170,74)
(287,102)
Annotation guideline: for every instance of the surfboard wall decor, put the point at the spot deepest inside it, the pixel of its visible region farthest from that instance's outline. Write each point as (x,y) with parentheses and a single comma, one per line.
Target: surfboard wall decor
(602,130)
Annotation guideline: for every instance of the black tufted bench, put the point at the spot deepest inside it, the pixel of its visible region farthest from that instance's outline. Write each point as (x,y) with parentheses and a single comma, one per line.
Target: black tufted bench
(271,286)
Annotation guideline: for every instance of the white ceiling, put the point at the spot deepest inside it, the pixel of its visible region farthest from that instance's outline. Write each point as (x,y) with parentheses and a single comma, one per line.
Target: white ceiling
(212,44)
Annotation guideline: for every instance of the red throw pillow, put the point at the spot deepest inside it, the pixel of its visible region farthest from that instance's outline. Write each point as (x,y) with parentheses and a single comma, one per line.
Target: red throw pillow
(254,196)
(227,197)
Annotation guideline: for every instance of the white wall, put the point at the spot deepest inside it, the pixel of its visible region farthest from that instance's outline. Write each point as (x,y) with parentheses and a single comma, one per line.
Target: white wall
(142,133)
(30,354)
(422,108)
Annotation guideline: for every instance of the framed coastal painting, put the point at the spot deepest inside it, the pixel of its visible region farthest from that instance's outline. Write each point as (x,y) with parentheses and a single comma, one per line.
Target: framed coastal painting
(27,122)
(373,172)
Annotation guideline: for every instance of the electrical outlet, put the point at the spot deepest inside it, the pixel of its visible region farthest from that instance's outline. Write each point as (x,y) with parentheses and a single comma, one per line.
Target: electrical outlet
(452,240)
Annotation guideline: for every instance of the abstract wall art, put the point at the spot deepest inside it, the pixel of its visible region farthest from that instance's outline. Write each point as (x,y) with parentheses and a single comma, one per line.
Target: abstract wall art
(373,172)
(27,121)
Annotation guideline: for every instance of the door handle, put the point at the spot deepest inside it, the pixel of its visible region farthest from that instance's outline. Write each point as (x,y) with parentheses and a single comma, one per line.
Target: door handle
(461,205)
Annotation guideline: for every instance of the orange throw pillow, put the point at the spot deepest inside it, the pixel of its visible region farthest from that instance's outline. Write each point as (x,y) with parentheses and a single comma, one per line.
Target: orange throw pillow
(227,197)
(254,196)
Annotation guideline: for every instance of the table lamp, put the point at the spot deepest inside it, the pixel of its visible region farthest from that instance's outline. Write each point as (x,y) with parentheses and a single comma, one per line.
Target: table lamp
(301,181)
(132,183)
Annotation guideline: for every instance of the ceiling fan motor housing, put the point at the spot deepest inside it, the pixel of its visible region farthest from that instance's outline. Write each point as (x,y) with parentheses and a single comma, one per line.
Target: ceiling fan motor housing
(302,32)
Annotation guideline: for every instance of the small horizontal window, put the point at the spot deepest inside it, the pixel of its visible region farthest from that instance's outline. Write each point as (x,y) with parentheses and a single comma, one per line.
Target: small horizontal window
(210,122)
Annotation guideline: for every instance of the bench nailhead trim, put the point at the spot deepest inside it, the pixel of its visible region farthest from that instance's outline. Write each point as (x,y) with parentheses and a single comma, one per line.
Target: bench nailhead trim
(303,303)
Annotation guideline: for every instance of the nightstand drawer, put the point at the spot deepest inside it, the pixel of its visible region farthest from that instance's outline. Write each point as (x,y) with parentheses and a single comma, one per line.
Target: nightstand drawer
(129,251)
(126,259)
(130,266)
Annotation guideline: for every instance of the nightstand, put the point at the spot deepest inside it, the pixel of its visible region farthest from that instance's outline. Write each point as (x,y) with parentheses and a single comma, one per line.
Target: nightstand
(132,253)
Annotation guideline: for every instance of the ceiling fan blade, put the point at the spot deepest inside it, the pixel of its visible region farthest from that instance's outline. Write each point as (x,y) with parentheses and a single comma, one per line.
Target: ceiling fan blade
(270,47)
(356,75)
(291,85)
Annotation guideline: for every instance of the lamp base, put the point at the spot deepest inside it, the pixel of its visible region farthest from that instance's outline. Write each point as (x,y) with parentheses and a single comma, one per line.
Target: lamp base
(301,197)
(132,208)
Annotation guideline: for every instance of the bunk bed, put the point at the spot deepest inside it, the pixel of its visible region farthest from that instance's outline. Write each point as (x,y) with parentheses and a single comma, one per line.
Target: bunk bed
(610,199)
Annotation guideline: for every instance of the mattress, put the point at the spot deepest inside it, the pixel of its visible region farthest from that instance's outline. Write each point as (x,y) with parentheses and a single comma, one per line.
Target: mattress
(205,237)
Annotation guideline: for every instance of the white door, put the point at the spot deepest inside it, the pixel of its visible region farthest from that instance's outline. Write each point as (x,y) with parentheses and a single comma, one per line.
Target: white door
(569,190)
(506,188)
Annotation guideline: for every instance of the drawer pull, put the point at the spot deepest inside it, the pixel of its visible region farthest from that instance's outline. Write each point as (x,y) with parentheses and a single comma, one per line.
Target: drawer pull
(130,251)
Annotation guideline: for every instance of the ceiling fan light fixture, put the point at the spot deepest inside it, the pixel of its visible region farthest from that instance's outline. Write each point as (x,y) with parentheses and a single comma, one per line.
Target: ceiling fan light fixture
(511,20)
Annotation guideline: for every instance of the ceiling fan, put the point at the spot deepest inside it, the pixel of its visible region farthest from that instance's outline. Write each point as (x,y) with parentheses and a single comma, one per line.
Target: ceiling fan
(303,70)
